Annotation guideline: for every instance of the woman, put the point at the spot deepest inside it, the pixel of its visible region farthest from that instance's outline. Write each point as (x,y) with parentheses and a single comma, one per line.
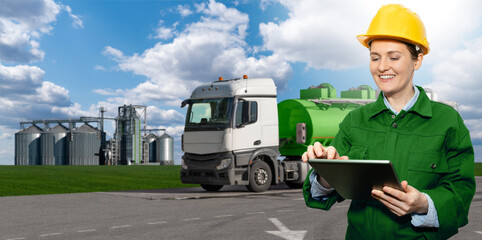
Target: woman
(427,143)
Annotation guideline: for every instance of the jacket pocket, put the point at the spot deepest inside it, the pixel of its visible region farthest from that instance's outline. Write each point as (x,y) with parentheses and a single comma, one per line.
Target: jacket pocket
(425,169)
(358,152)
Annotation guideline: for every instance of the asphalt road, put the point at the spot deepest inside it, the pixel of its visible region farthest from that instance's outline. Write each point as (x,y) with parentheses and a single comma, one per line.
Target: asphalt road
(190,213)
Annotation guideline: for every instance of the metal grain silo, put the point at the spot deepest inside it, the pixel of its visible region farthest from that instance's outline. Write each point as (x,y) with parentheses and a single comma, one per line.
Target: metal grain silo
(27,146)
(54,146)
(129,130)
(151,142)
(85,146)
(165,149)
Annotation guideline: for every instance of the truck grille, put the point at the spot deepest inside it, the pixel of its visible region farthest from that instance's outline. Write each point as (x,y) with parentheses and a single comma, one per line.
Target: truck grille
(202,160)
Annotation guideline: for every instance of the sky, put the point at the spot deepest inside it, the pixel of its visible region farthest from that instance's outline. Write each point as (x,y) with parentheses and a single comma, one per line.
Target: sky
(66,59)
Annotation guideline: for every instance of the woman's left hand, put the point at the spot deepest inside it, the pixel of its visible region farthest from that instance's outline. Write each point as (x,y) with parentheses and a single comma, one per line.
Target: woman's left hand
(402,203)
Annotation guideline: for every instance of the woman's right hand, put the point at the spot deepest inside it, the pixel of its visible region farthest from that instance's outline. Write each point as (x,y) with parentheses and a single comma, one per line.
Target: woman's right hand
(318,151)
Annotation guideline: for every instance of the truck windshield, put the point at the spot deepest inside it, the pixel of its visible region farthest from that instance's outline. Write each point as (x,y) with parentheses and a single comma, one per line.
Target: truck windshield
(209,114)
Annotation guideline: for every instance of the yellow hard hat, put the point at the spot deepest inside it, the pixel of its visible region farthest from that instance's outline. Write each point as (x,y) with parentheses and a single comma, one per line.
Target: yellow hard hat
(394,21)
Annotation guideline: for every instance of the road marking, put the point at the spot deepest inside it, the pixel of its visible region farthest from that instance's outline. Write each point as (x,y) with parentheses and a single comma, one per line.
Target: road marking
(286,210)
(298,199)
(152,223)
(251,213)
(123,226)
(479,232)
(221,216)
(50,234)
(87,230)
(284,232)
(191,219)
(20,238)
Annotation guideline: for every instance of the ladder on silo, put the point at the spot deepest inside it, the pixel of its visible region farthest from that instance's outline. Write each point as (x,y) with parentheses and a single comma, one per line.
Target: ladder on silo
(145,151)
(115,153)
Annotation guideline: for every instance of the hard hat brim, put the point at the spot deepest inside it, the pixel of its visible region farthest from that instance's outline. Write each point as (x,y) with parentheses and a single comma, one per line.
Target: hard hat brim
(365,40)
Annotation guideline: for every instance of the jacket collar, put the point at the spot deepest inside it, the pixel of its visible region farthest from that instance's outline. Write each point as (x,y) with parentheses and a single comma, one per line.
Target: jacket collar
(422,107)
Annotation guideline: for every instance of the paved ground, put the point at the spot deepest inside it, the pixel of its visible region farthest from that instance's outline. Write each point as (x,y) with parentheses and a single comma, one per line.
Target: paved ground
(188,213)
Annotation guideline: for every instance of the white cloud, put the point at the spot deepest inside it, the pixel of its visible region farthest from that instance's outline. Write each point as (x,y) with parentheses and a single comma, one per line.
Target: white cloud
(456,77)
(476,126)
(175,131)
(211,47)
(115,53)
(184,10)
(100,68)
(5,136)
(52,94)
(72,111)
(106,92)
(165,32)
(21,22)
(319,33)
(76,18)
(19,80)
(158,116)
(24,95)
(322,33)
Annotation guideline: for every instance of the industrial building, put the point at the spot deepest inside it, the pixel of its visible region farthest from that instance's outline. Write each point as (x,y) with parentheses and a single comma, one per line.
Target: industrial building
(83,141)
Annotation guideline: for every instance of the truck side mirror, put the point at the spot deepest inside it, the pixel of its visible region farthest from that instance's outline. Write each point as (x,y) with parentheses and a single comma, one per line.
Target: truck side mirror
(186,102)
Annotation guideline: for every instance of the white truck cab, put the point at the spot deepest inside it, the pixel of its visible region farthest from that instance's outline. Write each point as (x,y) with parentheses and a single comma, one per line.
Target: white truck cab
(226,140)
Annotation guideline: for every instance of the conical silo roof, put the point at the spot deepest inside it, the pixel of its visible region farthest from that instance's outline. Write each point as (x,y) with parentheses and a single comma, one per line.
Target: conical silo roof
(57,129)
(165,135)
(31,129)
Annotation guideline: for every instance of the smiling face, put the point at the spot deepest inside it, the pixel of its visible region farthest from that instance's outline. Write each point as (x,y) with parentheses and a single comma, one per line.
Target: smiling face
(392,67)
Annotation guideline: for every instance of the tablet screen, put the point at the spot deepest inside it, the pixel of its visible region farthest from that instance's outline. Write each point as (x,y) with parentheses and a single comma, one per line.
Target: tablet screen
(355,179)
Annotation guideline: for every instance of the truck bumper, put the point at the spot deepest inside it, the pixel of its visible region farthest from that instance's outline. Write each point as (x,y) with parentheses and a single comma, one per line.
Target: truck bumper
(204,176)
(202,169)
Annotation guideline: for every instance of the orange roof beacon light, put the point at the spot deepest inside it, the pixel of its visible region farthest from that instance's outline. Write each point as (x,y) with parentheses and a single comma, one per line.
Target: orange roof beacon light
(220,78)
(245,76)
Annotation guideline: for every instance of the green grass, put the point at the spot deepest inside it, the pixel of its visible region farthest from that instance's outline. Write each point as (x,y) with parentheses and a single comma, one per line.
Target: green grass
(33,180)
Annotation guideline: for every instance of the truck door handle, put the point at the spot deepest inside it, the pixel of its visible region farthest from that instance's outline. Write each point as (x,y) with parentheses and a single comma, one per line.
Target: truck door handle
(257,142)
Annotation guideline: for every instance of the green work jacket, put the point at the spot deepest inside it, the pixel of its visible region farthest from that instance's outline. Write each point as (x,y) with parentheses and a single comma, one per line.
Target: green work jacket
(428,145)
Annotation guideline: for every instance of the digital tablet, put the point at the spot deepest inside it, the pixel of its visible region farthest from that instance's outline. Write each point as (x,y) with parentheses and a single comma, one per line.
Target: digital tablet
(355,179)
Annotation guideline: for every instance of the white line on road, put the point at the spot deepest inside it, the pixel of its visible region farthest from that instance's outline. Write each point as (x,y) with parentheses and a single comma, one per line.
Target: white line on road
(221,216)
(191,219)
(87,230)
(298,199)
(284,232)
(152,223)
(479,232)
(20,238)
(50,234)
(123,226)
(251,213)
(286,210)
(279,224)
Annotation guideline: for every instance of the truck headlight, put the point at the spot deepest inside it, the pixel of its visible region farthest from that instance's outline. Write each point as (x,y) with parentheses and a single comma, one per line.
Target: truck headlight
(183,165)
(224,164)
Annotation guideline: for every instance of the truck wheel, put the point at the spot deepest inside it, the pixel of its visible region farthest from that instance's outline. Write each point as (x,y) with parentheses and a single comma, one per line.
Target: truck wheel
(211,188)
(259,177)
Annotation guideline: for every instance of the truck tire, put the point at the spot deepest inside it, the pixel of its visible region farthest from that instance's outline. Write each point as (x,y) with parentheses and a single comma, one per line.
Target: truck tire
(211,188)
(259,177)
